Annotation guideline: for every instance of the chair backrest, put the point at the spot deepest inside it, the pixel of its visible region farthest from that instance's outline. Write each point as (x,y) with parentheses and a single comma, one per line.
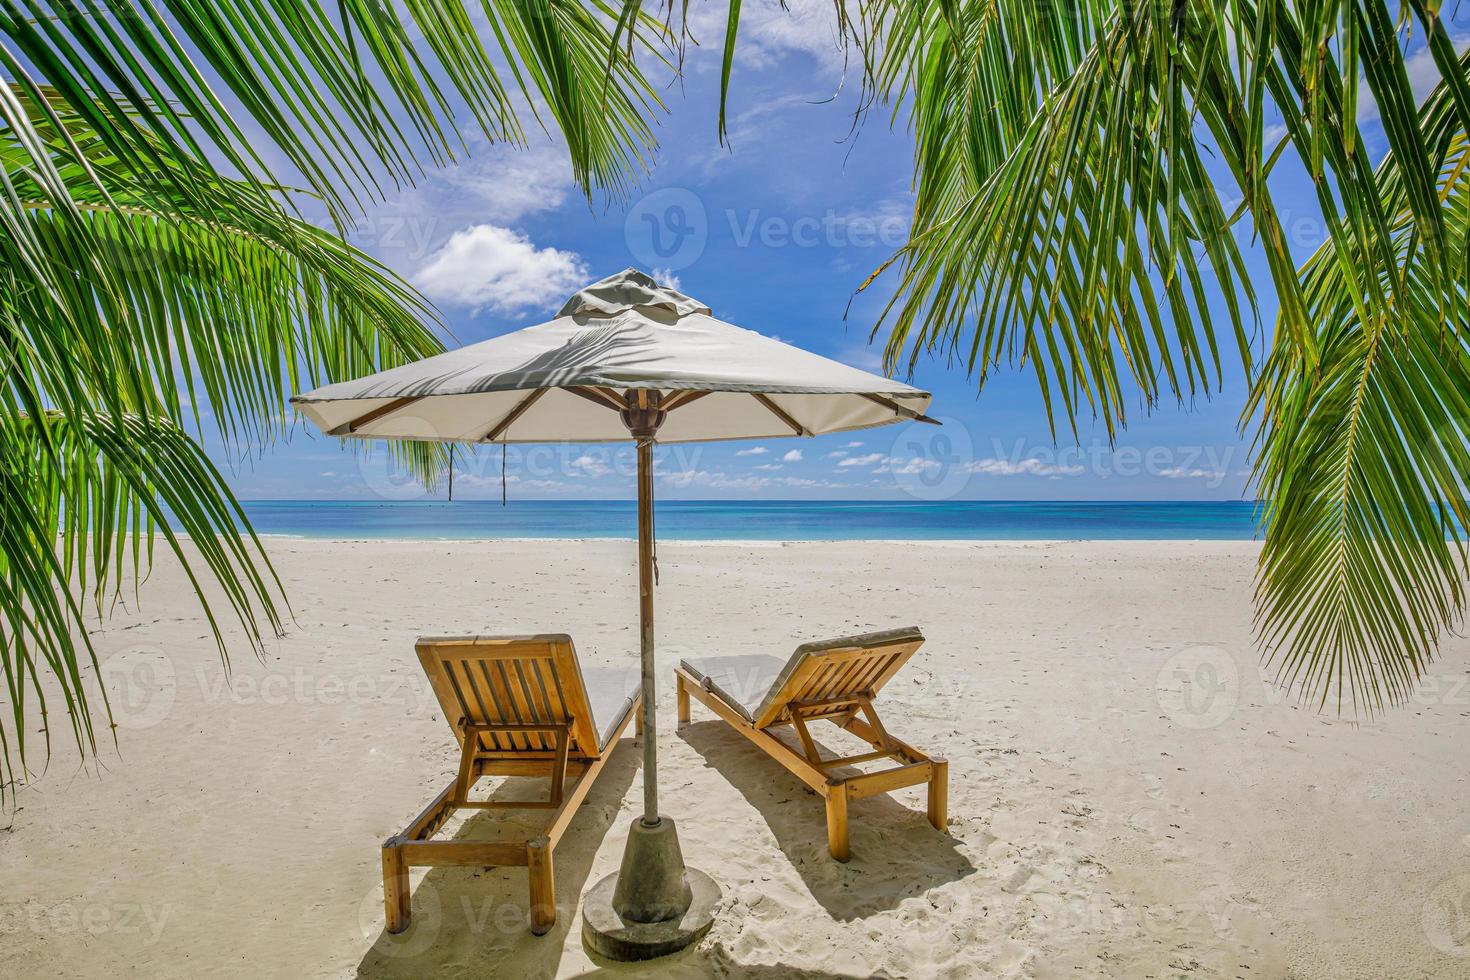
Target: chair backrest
(511,680)
(833,669)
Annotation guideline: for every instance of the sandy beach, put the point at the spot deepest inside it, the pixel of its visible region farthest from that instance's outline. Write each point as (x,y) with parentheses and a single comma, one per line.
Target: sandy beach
(1128,797)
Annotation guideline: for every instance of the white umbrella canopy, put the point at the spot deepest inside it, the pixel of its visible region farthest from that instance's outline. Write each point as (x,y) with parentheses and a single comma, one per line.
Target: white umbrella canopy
(555,382)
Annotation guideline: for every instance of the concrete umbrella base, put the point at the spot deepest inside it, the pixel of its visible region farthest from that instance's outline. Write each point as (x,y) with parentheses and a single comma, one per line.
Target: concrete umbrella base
(653,906)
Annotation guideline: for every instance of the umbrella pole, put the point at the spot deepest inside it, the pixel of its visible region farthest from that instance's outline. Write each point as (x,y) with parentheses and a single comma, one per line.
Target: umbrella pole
(645,629)
(654,905)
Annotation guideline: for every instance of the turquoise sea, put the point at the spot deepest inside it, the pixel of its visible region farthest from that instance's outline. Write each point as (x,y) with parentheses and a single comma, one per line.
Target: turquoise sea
(766,520)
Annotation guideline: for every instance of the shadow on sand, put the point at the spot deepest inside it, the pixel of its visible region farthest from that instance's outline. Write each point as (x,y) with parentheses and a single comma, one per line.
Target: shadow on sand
(476,921)
(896,854)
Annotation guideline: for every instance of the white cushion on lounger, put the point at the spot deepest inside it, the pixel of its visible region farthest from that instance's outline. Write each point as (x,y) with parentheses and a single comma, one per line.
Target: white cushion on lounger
(610,693)
(742,682)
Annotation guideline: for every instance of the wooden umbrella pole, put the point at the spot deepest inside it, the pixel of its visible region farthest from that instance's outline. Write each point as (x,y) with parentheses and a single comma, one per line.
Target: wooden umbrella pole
(643,417)
(645,628)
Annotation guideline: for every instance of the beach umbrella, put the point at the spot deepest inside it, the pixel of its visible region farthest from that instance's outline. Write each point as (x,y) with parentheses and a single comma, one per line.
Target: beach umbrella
(625,359)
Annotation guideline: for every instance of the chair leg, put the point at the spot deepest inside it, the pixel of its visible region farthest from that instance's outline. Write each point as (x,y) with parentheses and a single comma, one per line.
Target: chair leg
(543,890)
(837,820)
(395,887)
(939,793)
(682,695)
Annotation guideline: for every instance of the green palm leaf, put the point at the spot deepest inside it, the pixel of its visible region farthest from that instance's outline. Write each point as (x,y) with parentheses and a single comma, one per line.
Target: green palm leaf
(152,267)
(1065,217)
(1070,164)
(1364,460)
(336,93)
(229,308)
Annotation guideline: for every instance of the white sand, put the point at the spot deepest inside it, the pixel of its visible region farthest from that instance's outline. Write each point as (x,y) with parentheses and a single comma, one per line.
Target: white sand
(1103,822)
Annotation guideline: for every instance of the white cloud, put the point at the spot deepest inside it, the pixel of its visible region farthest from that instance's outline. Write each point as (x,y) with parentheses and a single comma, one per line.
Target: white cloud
(507,184)
(794,456)
(851,445)
(770,30)
(767,466)
(836,454)
(489,486)
(590,465)
(1423,77)
(667,278)
(801,34)
(716,480)
(490,267)
(498,182)
(753,451)
(899,465)
(750,125)
(1030,466)
(1190,473)
(904,467)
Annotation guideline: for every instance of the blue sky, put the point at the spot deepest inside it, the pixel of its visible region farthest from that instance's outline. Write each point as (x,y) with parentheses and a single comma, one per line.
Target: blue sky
(777,231)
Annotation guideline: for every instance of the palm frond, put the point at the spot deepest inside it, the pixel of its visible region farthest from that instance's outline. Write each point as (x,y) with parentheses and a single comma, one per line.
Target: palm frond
(1364,456)
(1065,216)
(343,97)
(152,306)
(1068,217)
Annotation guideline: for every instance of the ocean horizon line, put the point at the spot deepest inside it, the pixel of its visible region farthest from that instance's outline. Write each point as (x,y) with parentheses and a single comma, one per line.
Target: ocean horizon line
(759,520)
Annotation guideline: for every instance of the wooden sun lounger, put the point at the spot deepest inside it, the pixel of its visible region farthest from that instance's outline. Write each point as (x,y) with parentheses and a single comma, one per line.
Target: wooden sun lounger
(833,680)
(519,706)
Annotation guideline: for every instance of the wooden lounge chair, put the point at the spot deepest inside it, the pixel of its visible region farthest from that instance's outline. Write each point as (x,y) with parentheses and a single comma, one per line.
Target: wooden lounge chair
(519,706)
(835,680)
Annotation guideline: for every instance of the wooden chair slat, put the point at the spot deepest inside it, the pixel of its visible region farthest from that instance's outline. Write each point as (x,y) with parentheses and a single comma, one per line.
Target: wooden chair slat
(467,693)
(822,684)
(871,670)
(526,696)
(500,684)
(542,669)
(852,675)
(493,701)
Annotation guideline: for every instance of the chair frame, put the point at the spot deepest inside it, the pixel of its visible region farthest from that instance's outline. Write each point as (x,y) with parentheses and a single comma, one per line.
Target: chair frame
(912,768)
(482,754)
